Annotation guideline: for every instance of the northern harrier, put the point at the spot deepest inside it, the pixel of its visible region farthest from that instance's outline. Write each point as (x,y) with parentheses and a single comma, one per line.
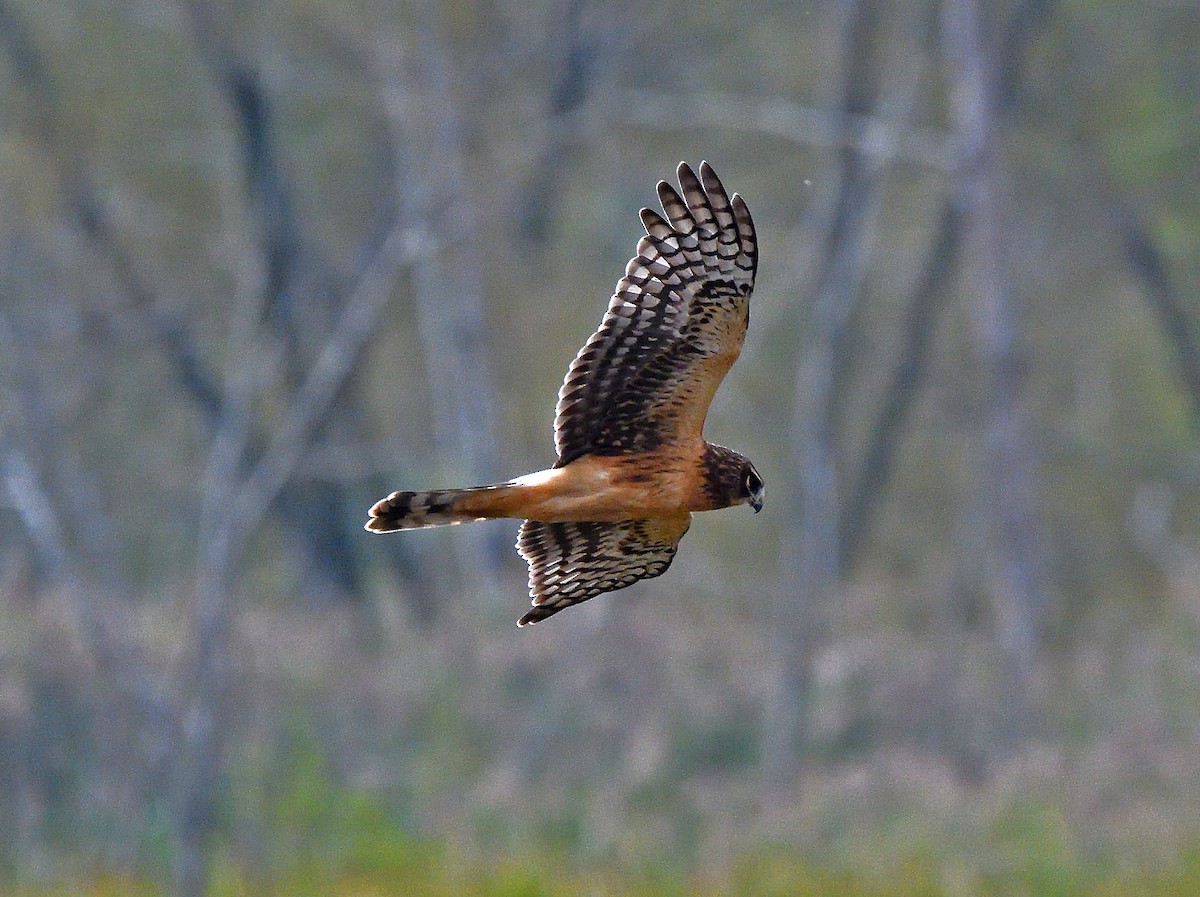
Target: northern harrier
(633,463)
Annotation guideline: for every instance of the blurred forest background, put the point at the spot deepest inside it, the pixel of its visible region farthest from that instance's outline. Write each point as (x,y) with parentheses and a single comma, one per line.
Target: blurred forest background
(265,262)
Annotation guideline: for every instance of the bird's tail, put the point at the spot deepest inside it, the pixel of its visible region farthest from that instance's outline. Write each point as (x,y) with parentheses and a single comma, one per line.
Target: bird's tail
(445,507)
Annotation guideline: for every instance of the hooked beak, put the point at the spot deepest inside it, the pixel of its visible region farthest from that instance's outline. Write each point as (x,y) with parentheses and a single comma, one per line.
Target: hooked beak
(756,500)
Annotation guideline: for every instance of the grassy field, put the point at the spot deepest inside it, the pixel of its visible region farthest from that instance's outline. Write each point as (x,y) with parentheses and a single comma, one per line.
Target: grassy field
(347,844)
(375,868)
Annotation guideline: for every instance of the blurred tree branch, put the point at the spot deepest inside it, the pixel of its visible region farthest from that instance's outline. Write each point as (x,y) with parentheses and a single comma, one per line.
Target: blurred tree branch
(1014,536)
(842,267)
(240,488)
(30,440)
(870,136)
(419,97)
(237,505)
(1147,263)
(572,78)
(403,247)
(296,299)
(809,569)
(35,509)
(89,210)
(66,490)
(869,486)
(267,187)
(929,295)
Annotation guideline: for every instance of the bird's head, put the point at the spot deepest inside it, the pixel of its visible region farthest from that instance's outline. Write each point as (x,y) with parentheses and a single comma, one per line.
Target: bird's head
(732,479)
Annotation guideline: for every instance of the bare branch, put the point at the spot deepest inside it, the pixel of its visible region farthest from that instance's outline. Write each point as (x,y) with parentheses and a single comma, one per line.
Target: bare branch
(1148,264)
(928,296)
(89,209)
(572,79)
(450,295)
(1023,27)
(871,137)
(34,508)
(1013,528)
(810,565)
(402,247)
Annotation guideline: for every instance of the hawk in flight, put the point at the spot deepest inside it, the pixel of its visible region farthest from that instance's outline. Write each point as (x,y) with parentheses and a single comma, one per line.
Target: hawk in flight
(633,463)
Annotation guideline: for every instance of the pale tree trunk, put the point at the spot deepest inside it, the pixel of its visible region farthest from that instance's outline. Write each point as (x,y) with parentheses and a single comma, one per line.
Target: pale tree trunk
(1149,266)
(812,557)
(249,465)
(808,573)
(79,569)
(1013,534)
(421,100)
(299,299)
(885,434)
(571,80)
(234,504)
(317,534)
(929,295)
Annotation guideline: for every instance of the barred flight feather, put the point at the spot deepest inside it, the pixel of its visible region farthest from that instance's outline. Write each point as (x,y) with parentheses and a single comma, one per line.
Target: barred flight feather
(682,303)
(572,562)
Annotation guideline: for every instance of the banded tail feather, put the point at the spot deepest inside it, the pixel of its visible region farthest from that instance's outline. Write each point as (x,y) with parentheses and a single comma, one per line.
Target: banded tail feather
(440,507)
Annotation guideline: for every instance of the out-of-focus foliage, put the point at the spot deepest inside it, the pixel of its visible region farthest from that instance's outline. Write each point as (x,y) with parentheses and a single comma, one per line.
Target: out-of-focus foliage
(264,262)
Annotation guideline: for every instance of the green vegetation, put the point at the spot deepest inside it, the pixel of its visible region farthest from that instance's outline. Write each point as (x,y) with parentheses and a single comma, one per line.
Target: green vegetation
(377,859)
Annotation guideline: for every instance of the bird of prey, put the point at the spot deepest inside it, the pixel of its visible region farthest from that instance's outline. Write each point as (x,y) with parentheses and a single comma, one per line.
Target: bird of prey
(633,464)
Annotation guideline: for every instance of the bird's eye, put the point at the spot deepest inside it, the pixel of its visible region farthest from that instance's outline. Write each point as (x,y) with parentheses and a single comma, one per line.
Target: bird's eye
(753,483)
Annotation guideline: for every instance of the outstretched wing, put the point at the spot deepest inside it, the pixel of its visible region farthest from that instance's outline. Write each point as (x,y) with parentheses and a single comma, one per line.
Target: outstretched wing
(572,562)
(673,327)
